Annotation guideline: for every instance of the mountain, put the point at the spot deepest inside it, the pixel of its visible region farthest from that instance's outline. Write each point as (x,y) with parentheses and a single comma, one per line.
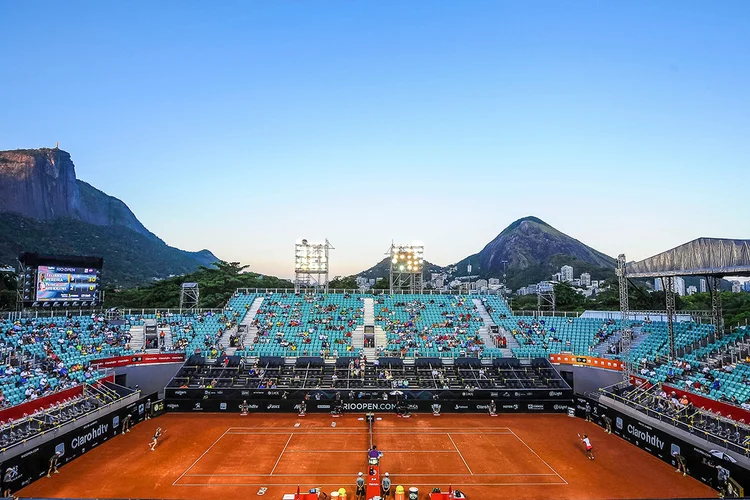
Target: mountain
(45,208)
(534,251)
(383,268)
(42,184)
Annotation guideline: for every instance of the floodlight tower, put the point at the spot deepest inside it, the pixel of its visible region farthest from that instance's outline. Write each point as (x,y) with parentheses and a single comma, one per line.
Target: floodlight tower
(407,266)
(311,264)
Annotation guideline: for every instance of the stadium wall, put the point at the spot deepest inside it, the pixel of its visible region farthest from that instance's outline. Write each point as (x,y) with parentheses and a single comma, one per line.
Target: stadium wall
(664,441)
(149,378)
(25,463)
(587,379)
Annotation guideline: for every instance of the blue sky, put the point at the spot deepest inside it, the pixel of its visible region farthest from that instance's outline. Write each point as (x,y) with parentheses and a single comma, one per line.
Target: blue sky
(243,126)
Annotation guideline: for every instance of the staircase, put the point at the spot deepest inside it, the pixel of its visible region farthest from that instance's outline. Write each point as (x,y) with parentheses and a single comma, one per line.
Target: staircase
(247,321)
(137,337)
(484,331)
(369,313)
(380,337)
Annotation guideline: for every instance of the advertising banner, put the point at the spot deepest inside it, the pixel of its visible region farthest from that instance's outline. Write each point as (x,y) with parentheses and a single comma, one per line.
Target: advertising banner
(139,359)
(29,465)
(360,406)
(329,394)
(709,465)
(593,362)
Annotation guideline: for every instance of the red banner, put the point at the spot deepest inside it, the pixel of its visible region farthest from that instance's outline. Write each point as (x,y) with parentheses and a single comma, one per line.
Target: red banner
(139,359)
(725,409)
(571,359)
(18,411)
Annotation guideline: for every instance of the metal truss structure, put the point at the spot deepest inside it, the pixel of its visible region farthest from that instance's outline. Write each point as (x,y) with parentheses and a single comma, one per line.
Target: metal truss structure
(189,296)
(626,333)
(311,265)
(406,268)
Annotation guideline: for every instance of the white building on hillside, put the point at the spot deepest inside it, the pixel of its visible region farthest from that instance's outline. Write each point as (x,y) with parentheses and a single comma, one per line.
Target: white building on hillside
(566,273)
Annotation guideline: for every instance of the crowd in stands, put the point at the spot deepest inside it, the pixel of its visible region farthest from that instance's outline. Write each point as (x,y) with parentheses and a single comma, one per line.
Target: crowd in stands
(297,324)
(426,326)
(45,355)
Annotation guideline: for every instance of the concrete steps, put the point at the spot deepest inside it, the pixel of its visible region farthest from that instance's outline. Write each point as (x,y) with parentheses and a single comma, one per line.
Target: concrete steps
(484,331)
(250,331)
(137,337)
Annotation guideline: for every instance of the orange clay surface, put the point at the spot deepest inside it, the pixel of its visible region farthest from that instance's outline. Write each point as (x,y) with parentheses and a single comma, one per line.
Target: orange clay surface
(220,456)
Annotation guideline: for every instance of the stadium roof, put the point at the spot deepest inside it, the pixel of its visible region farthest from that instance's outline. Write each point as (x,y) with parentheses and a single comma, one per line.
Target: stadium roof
(701,257)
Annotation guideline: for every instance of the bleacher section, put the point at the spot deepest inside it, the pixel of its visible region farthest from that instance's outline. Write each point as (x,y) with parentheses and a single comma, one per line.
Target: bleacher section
(48,354)
(430,326)
(43,355)
(306,325)
(352,373)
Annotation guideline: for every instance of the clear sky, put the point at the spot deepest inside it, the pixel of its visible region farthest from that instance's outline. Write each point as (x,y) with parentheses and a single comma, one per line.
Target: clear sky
(243,126)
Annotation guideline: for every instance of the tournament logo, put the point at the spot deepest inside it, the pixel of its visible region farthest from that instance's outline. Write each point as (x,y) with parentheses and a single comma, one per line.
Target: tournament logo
(11,474)
(197,406)
(618,423)
(222,406)
(60,448)
(115,421)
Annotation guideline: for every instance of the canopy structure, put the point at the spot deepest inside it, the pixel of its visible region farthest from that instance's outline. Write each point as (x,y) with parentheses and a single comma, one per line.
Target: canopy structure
(702,257)
(713,258)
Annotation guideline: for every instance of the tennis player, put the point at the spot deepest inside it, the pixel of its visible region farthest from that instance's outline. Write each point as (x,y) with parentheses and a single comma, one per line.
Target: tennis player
(155,439)
(53,463)
(587,444)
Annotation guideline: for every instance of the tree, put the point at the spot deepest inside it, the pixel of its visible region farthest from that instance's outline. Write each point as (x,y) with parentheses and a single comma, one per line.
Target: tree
(567,297)
(345,283)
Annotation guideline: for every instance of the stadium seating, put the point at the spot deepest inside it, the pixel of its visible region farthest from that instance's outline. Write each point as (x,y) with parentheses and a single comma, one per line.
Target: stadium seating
(292,324)
(430,326)
(51,353)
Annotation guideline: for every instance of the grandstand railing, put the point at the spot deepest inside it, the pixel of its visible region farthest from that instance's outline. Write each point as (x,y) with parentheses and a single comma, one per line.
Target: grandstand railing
(708,436)
(369,292)
(59,312)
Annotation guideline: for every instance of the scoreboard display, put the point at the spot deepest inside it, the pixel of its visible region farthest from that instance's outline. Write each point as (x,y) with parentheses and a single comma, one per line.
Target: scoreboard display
(61,281)
(66,283)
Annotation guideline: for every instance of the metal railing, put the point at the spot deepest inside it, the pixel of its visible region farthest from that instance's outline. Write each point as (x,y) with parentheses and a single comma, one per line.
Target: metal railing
(698,422)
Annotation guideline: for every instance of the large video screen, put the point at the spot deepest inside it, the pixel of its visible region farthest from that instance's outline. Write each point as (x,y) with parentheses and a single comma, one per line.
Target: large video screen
(61,280)
(55,283)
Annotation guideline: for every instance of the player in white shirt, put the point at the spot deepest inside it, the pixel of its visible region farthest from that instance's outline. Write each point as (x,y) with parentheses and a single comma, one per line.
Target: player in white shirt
(587,443)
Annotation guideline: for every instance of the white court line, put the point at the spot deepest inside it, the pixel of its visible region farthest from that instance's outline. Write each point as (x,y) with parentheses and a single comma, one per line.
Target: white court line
(351,473)
(540,458)
(459,454)
(403,429)
(204,453)
(339,484)
(364,433)
(282,453)
(365,451)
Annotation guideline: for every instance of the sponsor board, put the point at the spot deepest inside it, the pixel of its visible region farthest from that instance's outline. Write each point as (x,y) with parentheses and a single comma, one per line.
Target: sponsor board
(447,406)
(700,463)
(27,466)
(141,359)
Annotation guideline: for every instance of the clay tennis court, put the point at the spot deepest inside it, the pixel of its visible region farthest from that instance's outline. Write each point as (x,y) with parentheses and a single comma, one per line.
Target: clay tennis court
(230,456)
